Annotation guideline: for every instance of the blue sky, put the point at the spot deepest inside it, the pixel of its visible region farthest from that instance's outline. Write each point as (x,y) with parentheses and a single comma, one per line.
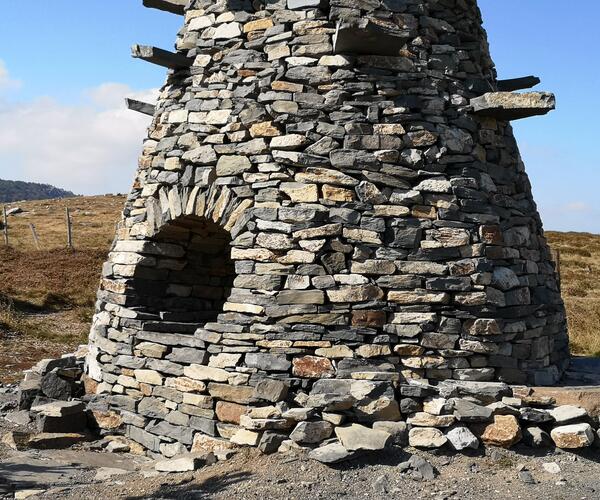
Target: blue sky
(65,68)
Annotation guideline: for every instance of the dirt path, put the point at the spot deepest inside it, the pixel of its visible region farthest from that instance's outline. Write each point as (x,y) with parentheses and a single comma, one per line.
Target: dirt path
(252,476)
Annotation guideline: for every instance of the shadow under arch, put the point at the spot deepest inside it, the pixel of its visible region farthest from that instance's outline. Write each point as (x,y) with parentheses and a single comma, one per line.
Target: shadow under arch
(190,276)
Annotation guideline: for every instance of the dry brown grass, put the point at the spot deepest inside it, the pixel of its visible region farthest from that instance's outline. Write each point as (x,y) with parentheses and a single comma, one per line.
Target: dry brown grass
(93,219)
(580,273)
(49,293)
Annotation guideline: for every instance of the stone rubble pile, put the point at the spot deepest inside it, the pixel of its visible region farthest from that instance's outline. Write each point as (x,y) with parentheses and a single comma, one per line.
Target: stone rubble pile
(317,222)
(455,416)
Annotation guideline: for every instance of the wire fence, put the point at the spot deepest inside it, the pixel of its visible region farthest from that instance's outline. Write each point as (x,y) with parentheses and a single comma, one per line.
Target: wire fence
(6,230)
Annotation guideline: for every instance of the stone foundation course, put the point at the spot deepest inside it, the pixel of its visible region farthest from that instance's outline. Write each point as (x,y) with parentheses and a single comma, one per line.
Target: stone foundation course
(330,236)
(454,416)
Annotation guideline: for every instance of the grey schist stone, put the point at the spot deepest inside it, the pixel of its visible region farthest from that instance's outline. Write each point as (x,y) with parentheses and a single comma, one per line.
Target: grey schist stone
(512,84)
(154,55)
(172,6)
(365,37)
(139,106)
(303,4)
(513,106)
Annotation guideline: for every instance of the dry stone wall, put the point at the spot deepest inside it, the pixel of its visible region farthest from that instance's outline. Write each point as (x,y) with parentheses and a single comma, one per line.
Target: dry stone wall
(319,226)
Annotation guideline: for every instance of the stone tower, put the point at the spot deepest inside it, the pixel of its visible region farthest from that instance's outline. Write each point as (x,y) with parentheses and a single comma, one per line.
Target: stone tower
(330,206)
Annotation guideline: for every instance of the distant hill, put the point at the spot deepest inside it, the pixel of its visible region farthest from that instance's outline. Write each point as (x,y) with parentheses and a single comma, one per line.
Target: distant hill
(18,191)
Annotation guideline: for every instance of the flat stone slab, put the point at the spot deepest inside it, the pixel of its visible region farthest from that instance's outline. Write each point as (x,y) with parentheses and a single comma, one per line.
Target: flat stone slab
(368,37)
(513,106)
(172,6)
(585,397)
(140,106)
(64,468)
(154,55)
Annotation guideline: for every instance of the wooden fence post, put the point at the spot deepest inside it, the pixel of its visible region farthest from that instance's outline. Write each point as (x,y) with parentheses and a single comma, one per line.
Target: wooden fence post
(5,225)
(69,229)
(35,236)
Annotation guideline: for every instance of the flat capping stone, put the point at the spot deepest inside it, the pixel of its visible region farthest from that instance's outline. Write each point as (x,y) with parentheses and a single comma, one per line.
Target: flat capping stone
(140,106)
(512,105)
(365,37)
(161,57)
(172,6)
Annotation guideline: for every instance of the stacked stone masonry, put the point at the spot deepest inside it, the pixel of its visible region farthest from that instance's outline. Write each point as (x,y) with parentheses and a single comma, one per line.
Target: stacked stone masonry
(318,225)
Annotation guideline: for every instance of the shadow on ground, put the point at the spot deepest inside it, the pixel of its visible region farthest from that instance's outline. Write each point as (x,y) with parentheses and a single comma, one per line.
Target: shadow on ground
(32,475)
(196,491)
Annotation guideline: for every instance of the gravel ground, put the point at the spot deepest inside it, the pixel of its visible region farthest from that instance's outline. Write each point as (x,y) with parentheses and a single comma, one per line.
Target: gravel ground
(249,475)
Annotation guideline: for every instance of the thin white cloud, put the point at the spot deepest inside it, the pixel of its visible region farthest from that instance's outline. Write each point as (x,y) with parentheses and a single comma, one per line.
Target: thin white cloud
(6,81)
(577,206)
(89,148)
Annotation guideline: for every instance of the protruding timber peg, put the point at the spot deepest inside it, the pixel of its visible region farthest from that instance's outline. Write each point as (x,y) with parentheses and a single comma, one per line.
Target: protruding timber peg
(161,57)
(139,106)
(172,6)
(364,36)
(513,106)
(525,82)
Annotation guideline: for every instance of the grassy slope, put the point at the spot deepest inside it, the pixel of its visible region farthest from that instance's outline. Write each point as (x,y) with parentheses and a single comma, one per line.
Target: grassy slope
(49,293)
(580,273)
(57,280)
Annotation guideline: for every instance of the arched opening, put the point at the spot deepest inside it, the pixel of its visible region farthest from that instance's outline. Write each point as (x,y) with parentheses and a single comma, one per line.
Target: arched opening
(190,273)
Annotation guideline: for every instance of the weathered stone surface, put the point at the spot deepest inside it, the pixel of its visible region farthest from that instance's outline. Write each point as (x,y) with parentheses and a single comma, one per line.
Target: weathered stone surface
(358,437)
(537,438)
(331,453)
(513,106)
(232,165)
(461,438)
(59,408)
(271,441)
(467,411)
(311,432)
(312,367)
(269,362)
(567,413)
(185,463)
(270,390)
(199,372)
(398,431)
(504,432)
(245,437)
(426,437)
(229,412)
(422,419)
(573,436)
